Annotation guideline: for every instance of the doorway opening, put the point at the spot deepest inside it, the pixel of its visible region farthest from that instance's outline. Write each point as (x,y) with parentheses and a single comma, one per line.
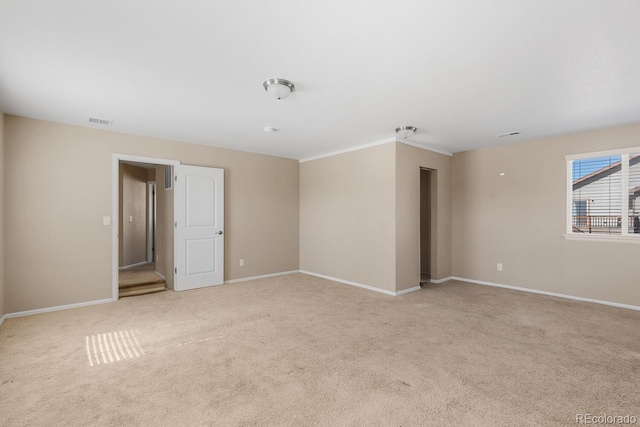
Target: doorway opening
(188,242)
(427,216)
(137,273)
(142,222)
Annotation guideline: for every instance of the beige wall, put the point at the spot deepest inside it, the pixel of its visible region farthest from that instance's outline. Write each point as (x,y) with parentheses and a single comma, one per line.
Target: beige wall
(360,215)
(164,228)
(409,160)
(61,228)
(133,225)
(519,220)
(2,169)
(347,216)
(353,216)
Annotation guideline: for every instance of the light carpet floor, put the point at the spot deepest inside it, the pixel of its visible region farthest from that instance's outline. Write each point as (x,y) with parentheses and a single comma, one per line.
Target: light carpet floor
(300,351)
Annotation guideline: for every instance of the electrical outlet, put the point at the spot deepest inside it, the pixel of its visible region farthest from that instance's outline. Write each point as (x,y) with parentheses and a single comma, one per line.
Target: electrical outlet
(499,267)
(106,220)
(241,263)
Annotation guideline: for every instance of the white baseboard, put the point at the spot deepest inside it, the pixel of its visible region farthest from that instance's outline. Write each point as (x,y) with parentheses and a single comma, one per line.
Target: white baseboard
(552,294)
(57,308)
(137,264)
(2,319)
(161,275)
(360,285)
(406,291)
(446,279)
(264,276)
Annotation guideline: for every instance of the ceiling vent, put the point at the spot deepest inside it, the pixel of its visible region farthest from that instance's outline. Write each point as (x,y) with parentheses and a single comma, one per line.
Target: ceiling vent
(100,121)
(509,134)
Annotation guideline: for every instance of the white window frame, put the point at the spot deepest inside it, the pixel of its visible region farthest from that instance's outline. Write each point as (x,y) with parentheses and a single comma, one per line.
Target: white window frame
(624,236)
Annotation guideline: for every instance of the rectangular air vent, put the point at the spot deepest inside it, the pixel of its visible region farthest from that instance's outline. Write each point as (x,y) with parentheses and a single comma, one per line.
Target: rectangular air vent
(100,121)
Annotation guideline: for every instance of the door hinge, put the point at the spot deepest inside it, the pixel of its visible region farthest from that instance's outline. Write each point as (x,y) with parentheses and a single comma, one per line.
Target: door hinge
(175,224)
(176,270)
(176,178)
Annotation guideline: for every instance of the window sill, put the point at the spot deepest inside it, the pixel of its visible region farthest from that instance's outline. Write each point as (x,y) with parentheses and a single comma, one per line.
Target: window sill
(596,238)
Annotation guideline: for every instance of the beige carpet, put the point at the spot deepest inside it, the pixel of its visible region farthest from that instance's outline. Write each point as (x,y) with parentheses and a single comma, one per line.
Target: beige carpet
(299,351)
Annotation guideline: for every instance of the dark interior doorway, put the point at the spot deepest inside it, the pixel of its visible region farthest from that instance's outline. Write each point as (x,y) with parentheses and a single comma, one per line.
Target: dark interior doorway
(426,205)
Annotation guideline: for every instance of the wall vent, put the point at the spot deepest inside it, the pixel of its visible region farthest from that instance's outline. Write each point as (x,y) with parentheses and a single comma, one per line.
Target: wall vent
(509,134)
(100,121)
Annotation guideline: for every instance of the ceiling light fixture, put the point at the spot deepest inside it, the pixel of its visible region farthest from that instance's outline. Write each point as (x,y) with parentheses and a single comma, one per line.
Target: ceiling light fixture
(278,88)
(406,131)
(269,129)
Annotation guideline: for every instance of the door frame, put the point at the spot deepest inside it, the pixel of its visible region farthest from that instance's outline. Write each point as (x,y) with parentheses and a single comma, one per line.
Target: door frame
(151,220)
(115,208)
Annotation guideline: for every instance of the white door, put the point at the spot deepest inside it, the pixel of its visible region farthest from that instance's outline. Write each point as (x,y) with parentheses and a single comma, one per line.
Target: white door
(199,227)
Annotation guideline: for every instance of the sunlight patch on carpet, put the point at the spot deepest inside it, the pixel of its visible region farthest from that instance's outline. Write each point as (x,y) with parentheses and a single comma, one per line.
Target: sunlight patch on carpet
(112,347)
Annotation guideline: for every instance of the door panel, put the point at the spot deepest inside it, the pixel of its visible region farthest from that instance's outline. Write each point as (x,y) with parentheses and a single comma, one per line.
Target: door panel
(200,201)
(201,255)
(199,238)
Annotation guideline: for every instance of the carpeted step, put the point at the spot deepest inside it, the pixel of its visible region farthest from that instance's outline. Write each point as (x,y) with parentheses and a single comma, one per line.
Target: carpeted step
(141,281)
(141,289)
(138,276)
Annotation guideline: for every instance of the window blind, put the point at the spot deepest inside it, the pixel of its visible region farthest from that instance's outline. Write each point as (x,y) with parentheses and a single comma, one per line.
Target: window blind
(596,197)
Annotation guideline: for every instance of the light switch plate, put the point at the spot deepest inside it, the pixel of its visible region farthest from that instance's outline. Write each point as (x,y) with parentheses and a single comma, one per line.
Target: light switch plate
(106,220)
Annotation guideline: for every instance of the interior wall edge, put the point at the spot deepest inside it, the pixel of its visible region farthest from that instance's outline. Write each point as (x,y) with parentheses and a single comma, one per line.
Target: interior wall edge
(263,276)
(551,294)
(57,308)
(361,285)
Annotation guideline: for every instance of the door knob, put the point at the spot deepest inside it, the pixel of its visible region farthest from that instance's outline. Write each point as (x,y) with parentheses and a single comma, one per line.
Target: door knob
(219,232)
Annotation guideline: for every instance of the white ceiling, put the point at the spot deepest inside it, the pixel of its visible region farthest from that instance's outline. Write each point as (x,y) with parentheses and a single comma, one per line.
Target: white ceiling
(462,71)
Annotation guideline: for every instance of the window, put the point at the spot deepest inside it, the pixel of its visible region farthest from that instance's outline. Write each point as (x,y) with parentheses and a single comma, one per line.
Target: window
(604,194)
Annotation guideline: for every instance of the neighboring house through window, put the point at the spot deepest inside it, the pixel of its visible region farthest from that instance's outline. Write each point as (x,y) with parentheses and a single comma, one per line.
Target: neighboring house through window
(603,194)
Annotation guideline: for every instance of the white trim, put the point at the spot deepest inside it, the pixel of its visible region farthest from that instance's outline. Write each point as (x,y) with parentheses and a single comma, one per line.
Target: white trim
(115,212)
(629,238)
(2,319)
(569,205)
(624,195)
(552,294)
(151,212)
(446,279)
(263,276)
(348,150)
(58,308)
(360,285)
(605,153)
(406,291)
(374,144)
(142,159)
(424,147)
(161,276)
(137,264)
